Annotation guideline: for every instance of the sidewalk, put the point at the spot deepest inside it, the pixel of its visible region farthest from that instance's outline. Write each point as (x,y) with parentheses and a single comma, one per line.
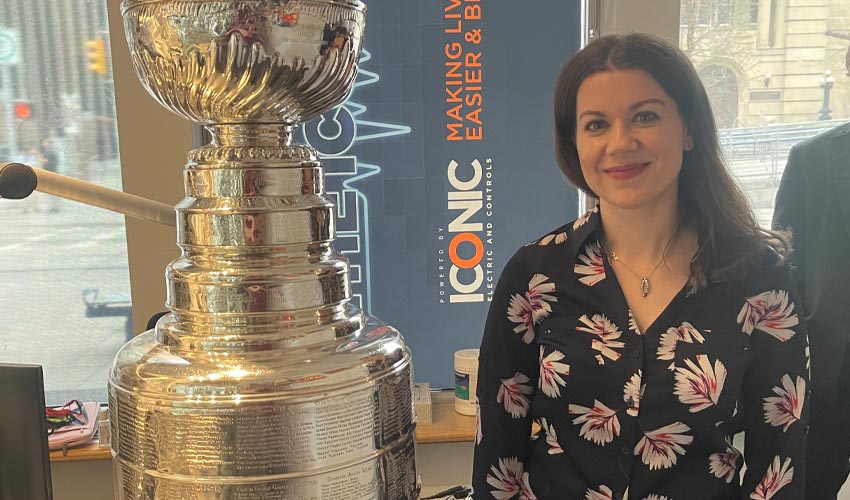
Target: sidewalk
(67,212)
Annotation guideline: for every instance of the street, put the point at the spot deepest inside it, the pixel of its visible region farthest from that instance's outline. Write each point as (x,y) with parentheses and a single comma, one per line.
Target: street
(47,259)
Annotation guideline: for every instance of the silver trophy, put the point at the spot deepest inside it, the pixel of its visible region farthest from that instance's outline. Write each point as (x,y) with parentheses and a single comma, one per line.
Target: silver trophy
(265,381)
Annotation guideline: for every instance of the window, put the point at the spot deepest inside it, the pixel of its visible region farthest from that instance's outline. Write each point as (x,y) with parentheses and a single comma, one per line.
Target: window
(685,12)
(699,18)
(705,12)
(723,12)
(764,102)
(64,286)
(722,87)
(754,12)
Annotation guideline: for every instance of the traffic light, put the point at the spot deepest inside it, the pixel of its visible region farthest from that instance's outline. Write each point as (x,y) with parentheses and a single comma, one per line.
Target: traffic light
(22,110)
(96,55)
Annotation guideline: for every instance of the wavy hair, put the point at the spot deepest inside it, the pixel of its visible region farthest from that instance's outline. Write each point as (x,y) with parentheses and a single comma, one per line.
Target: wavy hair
(730,238)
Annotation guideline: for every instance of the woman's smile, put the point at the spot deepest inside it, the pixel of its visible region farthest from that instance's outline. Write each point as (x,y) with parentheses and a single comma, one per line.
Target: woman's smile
(626,172)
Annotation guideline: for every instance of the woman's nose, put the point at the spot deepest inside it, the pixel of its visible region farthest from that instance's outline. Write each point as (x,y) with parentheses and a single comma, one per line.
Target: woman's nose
(621,139)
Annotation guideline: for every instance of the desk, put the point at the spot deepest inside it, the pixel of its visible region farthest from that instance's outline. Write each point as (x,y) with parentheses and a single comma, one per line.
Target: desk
(91,451)
(448,426)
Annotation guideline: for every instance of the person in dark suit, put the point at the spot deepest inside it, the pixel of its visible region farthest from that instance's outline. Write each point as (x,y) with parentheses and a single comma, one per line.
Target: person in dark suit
(814,203)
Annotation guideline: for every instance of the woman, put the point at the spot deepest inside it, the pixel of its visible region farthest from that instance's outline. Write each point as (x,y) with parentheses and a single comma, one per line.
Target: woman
(644,335)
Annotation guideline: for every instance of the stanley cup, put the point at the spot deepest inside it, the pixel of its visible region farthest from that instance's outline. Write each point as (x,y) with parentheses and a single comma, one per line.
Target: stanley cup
(265,381)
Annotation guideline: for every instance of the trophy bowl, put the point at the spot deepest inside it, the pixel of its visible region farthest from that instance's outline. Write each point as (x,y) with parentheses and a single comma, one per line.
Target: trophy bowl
(239,61)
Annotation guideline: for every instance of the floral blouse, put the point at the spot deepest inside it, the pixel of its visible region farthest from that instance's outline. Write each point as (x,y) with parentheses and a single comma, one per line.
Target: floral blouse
(629,414)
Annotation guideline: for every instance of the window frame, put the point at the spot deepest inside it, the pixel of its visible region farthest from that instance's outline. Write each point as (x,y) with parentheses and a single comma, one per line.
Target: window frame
(753,13)
(152,172)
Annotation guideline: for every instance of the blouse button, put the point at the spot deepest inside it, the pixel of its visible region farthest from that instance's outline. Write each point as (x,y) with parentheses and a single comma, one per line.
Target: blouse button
(636,353)
(625,450)
(618,495)
(630,401)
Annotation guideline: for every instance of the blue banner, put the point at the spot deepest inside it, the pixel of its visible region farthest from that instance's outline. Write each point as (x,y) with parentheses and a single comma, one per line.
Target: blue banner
(441,161)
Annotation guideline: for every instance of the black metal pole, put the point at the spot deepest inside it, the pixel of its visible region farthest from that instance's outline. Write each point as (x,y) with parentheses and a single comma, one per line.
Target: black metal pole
(825,113)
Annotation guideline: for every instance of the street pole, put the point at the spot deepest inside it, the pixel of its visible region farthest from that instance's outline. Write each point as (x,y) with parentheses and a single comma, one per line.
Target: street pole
(826,82)
(9,56)
(8,106)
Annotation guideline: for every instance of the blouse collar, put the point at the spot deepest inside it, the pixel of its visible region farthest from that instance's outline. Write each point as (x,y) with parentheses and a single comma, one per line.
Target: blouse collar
(584,228)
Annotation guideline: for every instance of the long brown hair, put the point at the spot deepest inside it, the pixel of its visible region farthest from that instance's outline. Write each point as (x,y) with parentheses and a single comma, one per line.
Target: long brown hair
(731,240)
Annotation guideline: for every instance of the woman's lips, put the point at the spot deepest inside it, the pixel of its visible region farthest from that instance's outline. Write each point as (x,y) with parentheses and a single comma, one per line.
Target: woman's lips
(624,172)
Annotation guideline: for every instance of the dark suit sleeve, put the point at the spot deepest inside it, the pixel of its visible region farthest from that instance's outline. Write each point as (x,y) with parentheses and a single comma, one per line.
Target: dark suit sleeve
(790,213)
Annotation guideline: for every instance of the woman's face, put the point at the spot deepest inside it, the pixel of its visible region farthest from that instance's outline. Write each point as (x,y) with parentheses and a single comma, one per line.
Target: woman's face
(630,138)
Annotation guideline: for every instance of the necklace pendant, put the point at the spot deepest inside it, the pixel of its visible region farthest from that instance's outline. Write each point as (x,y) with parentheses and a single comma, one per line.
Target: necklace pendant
(644,286)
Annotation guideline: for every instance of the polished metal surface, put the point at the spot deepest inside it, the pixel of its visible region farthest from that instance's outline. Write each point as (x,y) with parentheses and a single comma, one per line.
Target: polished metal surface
(265,381)
(245,61)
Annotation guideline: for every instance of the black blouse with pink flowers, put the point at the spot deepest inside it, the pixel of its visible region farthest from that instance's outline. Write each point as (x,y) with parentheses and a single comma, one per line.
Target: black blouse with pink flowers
(641,415)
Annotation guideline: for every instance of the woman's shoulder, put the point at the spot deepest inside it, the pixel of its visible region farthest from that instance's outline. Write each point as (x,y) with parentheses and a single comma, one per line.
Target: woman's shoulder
(771,269)
(579,227)
(556,236)
(554,248)
(557,248)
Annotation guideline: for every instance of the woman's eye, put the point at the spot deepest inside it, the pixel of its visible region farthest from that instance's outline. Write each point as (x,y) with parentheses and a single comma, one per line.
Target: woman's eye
(646,117)
(594,125)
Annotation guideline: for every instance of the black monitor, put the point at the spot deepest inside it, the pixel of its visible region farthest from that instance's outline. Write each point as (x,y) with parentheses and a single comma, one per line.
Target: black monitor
(24,457)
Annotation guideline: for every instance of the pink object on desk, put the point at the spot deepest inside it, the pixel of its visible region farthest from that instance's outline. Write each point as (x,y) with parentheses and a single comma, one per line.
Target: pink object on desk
(76,434)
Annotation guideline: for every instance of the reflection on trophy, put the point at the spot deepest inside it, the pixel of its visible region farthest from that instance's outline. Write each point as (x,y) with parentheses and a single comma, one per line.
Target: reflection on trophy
(265,381)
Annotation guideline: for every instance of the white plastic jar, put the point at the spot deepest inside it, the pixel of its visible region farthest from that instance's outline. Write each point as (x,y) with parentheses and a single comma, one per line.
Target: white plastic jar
(466,380)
